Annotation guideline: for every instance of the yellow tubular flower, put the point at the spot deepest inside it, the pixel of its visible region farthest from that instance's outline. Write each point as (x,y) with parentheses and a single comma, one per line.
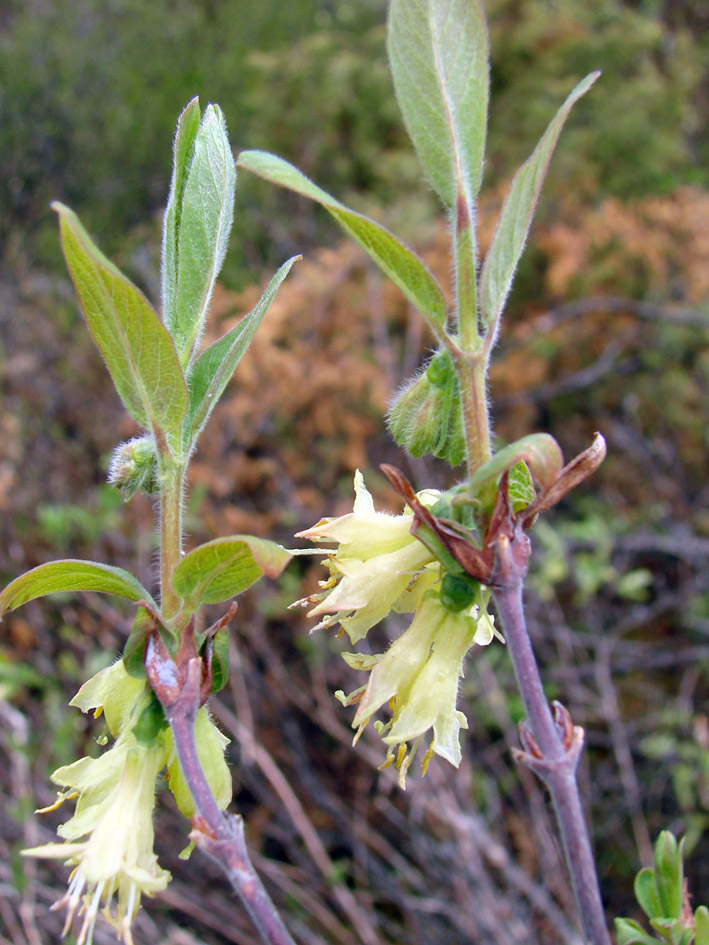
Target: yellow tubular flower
(114,814)
(376,562)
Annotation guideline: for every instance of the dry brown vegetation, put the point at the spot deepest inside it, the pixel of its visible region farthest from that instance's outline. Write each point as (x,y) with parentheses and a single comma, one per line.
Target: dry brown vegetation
(467,856)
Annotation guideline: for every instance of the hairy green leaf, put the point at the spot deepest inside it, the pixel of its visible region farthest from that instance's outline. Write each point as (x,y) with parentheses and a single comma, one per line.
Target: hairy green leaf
(202,225)
(540,452)
(225,567)
(136,346)
(393,257)
(56,577)
(438,50)
(213,369)
(183,153)
(513,226)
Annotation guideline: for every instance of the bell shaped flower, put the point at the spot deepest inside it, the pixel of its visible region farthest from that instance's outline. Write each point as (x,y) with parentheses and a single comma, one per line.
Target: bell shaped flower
(110,837)
(418,679)
(376,563)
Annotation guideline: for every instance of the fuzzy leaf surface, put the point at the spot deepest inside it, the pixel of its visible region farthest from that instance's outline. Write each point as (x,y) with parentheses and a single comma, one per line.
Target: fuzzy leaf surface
(392,256)
(135,345)
(515,220)
(225,567)
(438,51)
(183,153)
(57,577)
(213,369)
(202,229)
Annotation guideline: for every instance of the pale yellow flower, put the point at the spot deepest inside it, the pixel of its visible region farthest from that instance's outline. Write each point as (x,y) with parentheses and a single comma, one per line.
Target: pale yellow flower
(377,562)
(115,861)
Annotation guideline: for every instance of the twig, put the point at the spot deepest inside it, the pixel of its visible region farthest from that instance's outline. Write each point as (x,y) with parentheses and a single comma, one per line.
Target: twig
(219,835)
(552,743)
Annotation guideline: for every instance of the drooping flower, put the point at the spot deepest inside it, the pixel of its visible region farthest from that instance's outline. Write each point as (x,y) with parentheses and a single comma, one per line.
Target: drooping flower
(375,568)
(114,862)
(418,679)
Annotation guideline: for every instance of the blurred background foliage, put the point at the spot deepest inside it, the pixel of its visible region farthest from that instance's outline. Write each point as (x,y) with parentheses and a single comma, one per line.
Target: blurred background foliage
(606,329)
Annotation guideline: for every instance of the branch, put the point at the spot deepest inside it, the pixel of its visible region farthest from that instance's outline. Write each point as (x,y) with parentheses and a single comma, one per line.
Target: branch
(178,686)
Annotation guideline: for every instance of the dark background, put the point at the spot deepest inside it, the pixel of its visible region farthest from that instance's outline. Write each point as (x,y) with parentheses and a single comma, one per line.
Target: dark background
(606,329)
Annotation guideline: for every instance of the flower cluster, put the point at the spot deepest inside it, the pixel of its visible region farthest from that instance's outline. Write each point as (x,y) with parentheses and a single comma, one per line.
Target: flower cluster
(379,567)
(109,838)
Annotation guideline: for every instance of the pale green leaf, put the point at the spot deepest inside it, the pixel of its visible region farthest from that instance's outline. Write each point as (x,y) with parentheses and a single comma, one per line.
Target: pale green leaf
(393,257)
(183,153)
(225,567)
(136,346)
(630,932)
(57,577)
(539,451)
(669,875)
(646,893)
(701,926)
(513,226)
(202,230)
(438,51)
(213,369)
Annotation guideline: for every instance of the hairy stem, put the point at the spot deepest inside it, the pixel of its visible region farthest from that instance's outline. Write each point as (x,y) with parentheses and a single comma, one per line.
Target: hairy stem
(553,750)
(471,370)
(171,488)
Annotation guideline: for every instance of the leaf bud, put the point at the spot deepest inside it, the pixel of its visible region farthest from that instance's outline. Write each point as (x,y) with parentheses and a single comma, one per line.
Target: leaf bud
(134,467)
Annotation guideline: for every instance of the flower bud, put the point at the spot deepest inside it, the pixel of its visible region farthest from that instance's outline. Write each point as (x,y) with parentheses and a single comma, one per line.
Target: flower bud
(134,467)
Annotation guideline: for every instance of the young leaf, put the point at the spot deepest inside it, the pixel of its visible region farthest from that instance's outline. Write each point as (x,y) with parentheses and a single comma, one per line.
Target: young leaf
(136,346)
(513,226)
(630,932)
(669,878)
(70,575)
(213,369)
(646,893)
(202,225)
(220,659)
(183,153)
(225,567)
(701,926)
(539,451)
(392,256)
(438,51)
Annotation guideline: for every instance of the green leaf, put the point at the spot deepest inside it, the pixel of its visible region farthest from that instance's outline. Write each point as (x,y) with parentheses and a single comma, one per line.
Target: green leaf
(213,369)
(701,926)
(669,879)
(513,226)
(402,265)
(630,932)
(135,344)
(202,225)
(646,893)
(57,577)
(134,650)
(183,153)
(225,567)
(438,51)
(220,659)
(520,487)
(539,451)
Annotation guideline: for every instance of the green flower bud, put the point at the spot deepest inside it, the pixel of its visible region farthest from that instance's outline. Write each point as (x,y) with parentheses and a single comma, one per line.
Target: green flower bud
(458,591)
(426,416)
(134,467)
